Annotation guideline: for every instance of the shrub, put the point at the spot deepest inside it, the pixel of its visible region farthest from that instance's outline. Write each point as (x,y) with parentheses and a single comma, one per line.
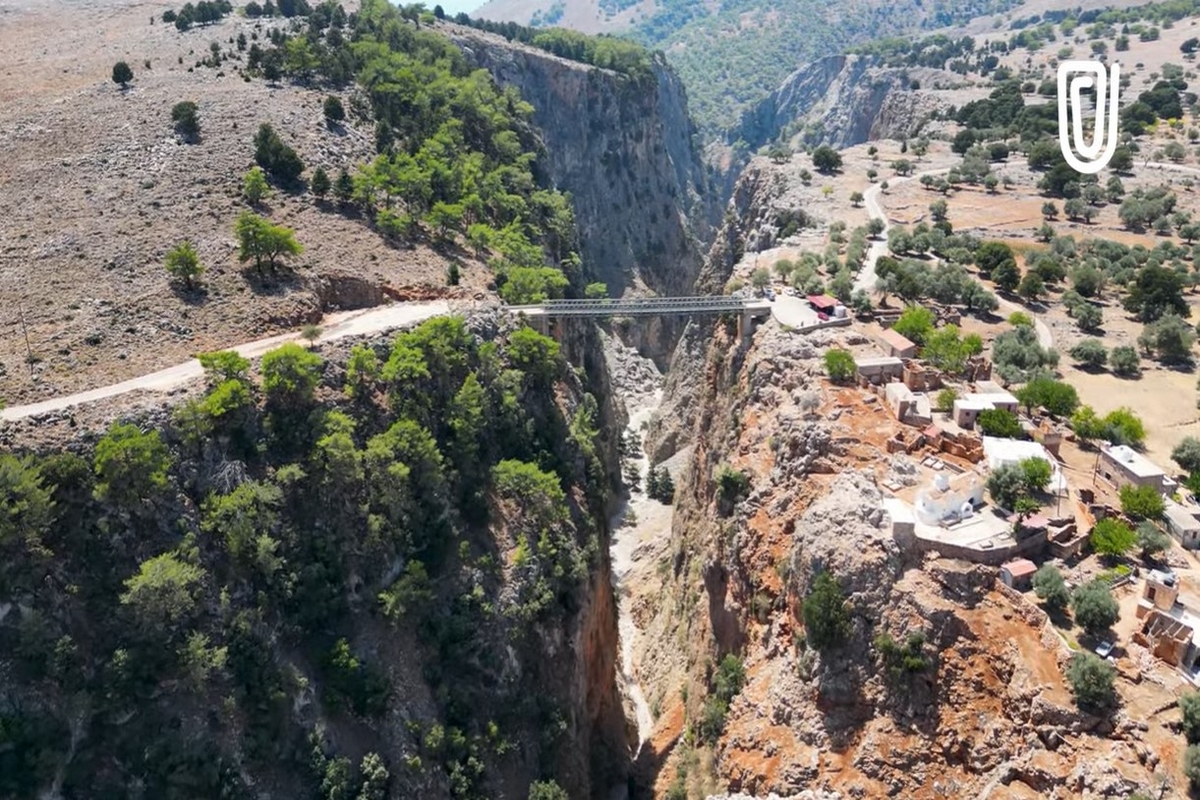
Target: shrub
(279,160)
(1141,502)
(183,262)
(334,111)
(1124,361)
(254,186)
(1094,607)
(840,365)
(1090,353)
(1187,454)
(1189,707)
(1111,537)
(826,619)
(1091,680)
(122,74)
(915,324)
(733,483)
(130,466)
(1049,585)
(320,183)
(944,400)
(186,117)
(1088,317)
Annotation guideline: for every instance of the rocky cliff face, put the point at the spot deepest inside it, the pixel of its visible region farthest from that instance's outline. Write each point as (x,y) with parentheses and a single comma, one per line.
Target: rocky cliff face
(841,101)
(983,703)
(625,152)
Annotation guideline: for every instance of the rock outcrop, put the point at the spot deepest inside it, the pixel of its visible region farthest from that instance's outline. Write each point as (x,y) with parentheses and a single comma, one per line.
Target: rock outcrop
(624,150)
(844,100)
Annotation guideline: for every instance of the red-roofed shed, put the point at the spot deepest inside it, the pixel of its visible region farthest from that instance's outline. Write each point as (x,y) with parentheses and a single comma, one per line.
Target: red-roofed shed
(823,302)
(897,345)
(1018,574)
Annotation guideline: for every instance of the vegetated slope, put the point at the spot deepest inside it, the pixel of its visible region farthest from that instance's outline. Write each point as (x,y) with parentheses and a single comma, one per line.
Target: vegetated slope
(459,191)
(735,53)
(379,573)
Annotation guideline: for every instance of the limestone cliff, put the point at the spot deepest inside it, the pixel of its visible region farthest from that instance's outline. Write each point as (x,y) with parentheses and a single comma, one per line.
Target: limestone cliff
(625,151)
(841,101)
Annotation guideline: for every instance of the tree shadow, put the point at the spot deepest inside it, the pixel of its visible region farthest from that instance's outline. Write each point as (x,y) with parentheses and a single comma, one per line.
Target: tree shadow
(271,282)
(195,295)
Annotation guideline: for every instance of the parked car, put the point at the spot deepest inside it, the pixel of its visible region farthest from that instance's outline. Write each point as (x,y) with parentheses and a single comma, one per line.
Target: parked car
(770,295)
(1104,649)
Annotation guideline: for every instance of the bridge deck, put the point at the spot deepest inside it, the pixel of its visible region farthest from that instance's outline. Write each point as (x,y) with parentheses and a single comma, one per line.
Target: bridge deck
(649,306)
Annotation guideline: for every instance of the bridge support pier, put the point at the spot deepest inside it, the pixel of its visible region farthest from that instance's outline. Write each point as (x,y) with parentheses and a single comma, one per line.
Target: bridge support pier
(745,327)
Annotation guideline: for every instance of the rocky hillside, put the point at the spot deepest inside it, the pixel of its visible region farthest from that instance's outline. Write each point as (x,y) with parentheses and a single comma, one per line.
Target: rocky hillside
(842,101)
(935,683)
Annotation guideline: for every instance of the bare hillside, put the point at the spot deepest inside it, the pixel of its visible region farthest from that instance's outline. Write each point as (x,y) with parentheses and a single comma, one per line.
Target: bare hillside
(97,187)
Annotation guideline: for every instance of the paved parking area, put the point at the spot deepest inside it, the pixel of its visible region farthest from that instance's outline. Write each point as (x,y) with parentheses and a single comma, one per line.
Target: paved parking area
(795,312)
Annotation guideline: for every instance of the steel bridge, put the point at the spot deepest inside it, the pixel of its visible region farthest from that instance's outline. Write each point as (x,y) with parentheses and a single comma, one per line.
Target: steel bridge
(645,307)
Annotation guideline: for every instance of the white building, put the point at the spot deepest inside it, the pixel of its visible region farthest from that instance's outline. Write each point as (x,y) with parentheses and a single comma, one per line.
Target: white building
(989,397)
(952,497)
(1011,451)
(1121,465)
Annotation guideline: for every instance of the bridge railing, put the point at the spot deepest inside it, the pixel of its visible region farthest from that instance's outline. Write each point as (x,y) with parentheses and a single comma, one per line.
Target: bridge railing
(641,306)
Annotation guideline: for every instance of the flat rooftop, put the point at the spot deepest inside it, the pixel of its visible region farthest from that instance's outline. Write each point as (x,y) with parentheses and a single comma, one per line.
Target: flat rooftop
(1133,461)
(882,361)
(1182,517)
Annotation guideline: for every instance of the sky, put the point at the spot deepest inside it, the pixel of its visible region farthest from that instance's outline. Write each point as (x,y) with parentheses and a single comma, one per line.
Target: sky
(453,6)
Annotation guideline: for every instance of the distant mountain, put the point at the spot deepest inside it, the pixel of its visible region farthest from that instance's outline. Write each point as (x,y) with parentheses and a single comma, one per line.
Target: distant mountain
(732,53)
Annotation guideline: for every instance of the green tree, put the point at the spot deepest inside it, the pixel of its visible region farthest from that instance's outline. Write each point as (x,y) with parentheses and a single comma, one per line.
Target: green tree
(547,790)
(1113,538)
(1092,680)
(991,255)
(826,159)
(1000,423)
(1141,502)
(1151,539)
(596,291)
(184,263)
(334,111)
(1031,287)
(362,371)
(290,375)
(259,239)
(856,199)
(840,365)
(1006,276)
(320,183)
(1191,766)
(1169,337)
(1006,485)
(122,74)
(1155,292)
(224,365)
(1057,397)
(343,188)
(1049,585)
(1187,454)
(826,618)
(760,278)
(944,400)
(1094,607)
(131,466)
(915,324)
(1036,474)
(186,116)
(163,593)
(1189,708)
(1088,317)
(1090,353)
(1124,361)
(375,778)
(534,354)
(1123,426)
(254,186)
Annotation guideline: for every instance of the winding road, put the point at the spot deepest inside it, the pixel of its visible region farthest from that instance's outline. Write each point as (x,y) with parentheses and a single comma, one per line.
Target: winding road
(334,326)
(867,277)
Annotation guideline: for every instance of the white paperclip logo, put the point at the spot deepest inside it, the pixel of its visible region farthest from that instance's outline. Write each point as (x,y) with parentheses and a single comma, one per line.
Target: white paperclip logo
(1099,151)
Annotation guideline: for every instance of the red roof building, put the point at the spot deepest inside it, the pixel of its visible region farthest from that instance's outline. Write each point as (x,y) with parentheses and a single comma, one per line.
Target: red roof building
(823,302)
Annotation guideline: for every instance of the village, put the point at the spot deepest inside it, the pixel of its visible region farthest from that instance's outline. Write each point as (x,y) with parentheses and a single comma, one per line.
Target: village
(938,481)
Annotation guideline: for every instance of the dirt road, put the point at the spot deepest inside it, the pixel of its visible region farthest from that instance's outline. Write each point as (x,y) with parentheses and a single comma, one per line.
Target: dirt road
(334,326)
